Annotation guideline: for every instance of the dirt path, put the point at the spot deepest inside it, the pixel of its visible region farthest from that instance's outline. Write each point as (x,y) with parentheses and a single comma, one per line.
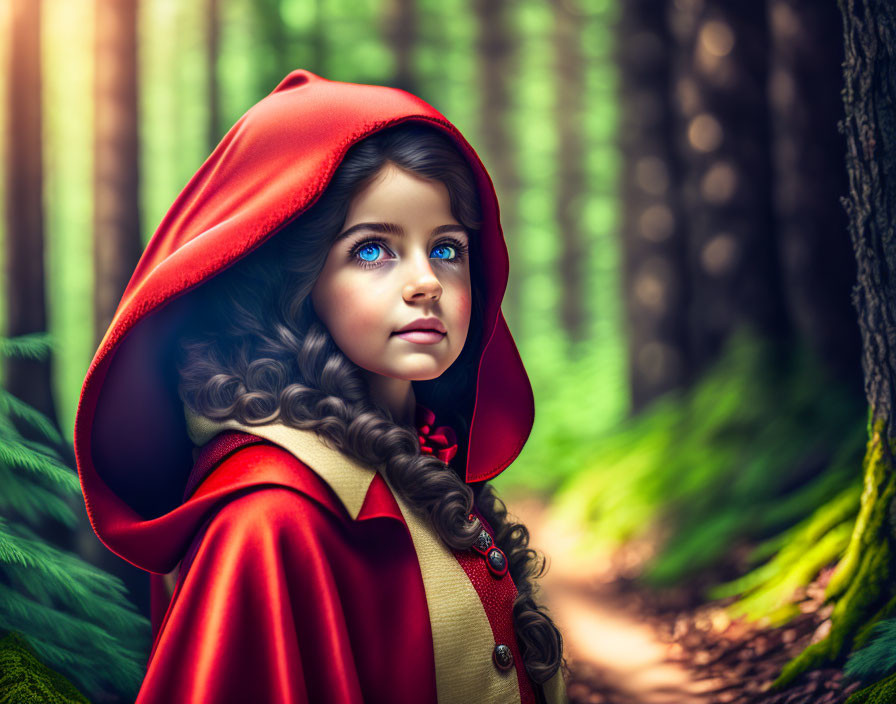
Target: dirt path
(624,658)
(624,646)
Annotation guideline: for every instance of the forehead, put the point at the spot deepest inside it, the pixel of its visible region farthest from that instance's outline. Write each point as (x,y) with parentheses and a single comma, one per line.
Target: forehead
(402,195)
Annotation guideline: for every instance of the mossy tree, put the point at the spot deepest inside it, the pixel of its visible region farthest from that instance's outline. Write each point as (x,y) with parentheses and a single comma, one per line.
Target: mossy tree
(863,587)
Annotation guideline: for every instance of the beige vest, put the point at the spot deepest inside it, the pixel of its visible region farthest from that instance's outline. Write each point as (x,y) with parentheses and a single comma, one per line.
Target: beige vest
(462,644)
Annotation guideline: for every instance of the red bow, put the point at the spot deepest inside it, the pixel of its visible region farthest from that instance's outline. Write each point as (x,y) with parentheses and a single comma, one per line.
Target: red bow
(441,441)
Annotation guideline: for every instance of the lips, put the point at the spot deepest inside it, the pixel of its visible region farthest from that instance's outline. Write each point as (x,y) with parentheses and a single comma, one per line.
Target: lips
(429,325)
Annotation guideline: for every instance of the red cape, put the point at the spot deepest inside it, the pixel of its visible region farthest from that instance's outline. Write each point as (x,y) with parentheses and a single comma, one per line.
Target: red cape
(288,591)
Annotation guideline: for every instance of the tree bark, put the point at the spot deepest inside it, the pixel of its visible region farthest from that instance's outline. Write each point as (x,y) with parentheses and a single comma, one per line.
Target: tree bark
(496,50)
(863,584)
(117,243)
(568,200)
(723,137)
(401,36)
(653,244)
(810,180)
(26,306)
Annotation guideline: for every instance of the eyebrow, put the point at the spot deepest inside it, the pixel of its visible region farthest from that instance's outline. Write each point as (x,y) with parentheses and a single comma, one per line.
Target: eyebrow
(397,230)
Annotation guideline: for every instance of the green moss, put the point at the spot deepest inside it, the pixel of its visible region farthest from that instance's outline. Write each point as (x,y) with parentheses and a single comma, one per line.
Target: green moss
(771,601)
(877,493)
(883,692)
(861,585)
(24,679)
(866,631)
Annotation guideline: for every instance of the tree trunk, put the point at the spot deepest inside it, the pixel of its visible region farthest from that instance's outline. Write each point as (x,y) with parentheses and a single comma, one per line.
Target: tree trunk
(723,137)
(810,179)
(26,307)
(654,272)
(863,585)
(272,44)
(568,198)
(318,40)
(117,243)
(213,93)
(497,51)
(401,36)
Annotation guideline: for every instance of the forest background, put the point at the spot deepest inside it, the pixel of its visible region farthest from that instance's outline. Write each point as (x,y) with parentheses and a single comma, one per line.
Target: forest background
(672,184)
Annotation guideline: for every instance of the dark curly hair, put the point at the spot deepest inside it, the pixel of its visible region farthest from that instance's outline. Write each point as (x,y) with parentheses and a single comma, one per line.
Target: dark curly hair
(261,354)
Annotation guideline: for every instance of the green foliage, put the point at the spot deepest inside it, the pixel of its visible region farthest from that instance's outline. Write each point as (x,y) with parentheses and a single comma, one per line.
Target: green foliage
(883,692)
(801,552)
(748,452)
(878,659)
(76,617)
(26,680)
(575,400)
(34,346)
(861,587)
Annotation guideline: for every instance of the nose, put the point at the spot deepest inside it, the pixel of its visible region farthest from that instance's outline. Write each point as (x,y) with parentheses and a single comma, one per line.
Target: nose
(422,284)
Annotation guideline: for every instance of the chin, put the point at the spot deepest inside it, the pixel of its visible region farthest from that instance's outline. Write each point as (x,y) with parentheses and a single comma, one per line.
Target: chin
(422,374)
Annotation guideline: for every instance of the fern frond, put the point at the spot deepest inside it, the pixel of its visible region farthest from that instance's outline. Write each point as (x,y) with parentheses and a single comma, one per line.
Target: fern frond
(14,407)
(36,345)
(16,453)
(19,546)
(32,501)
(878,658)
(43,449)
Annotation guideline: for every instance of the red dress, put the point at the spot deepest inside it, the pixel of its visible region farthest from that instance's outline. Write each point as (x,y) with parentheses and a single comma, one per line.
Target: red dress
(284,596)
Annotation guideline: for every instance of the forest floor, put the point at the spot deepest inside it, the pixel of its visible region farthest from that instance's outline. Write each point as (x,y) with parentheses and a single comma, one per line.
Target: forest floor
(626,644)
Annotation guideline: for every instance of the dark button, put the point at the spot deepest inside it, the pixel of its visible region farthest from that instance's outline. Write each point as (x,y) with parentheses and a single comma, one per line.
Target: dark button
(502,657)
(484,541)
(497,562)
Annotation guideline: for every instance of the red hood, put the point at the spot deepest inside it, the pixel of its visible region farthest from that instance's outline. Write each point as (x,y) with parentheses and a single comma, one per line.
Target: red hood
(130,434)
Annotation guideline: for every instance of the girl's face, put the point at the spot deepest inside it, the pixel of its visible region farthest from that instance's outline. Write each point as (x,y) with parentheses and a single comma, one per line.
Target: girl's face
(401,257)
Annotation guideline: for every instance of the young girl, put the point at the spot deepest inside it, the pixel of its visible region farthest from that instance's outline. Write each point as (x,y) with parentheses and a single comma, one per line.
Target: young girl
(297,407)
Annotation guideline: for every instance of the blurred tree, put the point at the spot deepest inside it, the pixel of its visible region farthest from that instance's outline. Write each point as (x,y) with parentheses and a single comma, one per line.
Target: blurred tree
(654,271)
(810,179)
(318,40)
(271,45)
(400,31)
(720,83)
(26,311)
(863,587)
(116,244)
(496,52)
(212,51)
(570,182)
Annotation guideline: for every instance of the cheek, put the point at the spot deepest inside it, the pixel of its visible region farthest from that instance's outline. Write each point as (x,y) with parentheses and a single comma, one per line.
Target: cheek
(464,307)
(351,311)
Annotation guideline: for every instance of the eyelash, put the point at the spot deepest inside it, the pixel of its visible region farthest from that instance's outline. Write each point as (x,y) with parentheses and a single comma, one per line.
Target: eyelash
(459,247)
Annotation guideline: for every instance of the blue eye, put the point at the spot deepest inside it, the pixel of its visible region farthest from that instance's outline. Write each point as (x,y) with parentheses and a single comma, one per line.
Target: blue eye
(369,252)
(444,251)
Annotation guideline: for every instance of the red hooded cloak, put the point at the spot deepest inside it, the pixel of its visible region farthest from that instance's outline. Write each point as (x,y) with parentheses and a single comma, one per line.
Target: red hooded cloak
(303,577)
